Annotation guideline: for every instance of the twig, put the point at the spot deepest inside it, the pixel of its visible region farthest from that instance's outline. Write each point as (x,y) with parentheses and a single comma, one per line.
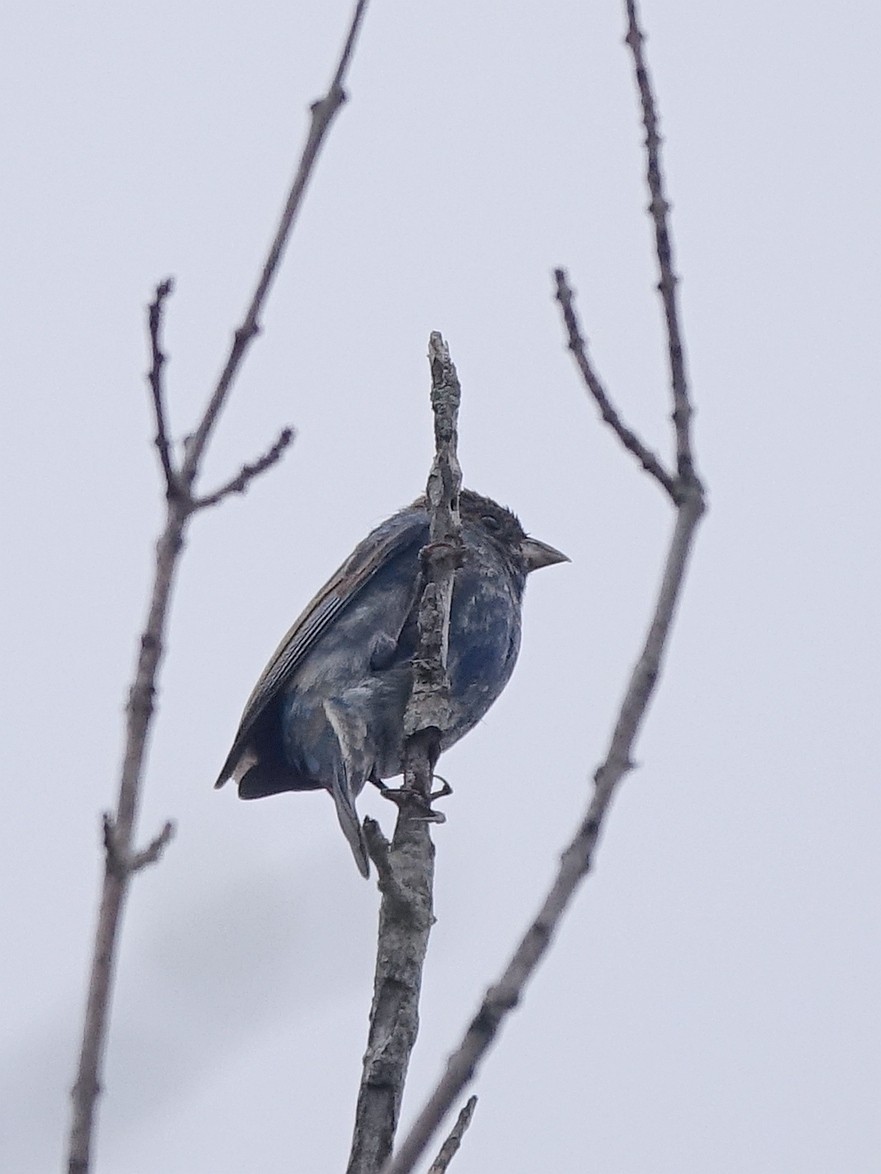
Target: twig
(139,711)
(451,1146)
(687,494)
(153,852)
(406,868)
(323,113)
(247,473)
(378,847)
(121,863)
(163,444)
(578,346)
(659,209)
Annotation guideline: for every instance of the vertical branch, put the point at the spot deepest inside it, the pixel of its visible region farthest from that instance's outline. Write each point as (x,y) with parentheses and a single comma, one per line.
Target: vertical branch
(406,867)
(428,708)
(659,209)
(121,860)
(119,838)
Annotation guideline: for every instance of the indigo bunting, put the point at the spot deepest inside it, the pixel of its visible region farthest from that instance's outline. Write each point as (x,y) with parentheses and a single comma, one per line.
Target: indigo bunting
(328,710)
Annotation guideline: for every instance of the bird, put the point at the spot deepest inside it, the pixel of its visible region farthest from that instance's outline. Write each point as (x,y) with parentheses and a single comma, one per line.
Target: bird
(328,709)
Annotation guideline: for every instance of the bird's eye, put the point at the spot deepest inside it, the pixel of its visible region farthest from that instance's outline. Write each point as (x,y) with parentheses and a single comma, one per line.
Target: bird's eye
(490,522)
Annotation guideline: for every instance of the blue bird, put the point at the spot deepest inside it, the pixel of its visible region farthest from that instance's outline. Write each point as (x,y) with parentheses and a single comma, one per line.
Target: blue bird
(328,710)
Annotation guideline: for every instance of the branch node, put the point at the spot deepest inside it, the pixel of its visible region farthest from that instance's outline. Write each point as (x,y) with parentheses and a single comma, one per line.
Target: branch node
(120,862)
(243,334)
(116,859)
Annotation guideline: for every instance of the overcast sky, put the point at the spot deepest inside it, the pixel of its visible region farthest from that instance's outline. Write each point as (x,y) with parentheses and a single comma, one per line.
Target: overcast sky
(712,1002)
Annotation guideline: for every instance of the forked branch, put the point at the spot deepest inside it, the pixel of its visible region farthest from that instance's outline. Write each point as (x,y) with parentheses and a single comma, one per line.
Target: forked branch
(578,346)
(686,492)
(122,861)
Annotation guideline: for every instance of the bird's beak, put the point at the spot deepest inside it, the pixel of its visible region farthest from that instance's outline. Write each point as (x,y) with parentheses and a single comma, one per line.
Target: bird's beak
(538,554)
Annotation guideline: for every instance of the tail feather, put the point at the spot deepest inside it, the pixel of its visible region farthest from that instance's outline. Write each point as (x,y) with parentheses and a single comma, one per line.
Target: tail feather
(351,825)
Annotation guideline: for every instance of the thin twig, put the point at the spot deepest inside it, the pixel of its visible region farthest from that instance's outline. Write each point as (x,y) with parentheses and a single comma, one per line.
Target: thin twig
(578,346)
(139,711)
(659,208)
(687,494)
(153,852)
(406,868)
(450,1147)
(247,473)
(323,113)
(157,363)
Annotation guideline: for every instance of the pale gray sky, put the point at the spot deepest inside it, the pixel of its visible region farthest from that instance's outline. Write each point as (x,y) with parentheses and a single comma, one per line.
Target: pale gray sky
(712,1004)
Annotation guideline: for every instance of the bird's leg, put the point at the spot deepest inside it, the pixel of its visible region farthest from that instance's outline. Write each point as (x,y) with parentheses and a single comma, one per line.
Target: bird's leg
(402,794)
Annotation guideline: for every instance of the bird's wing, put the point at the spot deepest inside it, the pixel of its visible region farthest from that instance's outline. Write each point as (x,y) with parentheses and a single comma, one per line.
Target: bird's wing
(405,529)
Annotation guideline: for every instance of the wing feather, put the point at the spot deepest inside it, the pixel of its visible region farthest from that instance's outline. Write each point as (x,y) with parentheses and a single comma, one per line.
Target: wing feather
(370,556)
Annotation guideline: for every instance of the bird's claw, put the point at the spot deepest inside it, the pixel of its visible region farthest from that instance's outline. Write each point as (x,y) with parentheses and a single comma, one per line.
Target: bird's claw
(445,790)
(403,794)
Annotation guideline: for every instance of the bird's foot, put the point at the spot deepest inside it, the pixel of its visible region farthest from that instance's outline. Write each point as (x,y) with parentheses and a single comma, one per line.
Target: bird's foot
(404,794)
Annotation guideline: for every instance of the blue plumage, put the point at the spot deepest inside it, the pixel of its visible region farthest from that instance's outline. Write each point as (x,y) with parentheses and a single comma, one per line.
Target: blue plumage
(328,709)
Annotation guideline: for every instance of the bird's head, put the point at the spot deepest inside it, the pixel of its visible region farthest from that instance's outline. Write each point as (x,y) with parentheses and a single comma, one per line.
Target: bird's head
(503,528)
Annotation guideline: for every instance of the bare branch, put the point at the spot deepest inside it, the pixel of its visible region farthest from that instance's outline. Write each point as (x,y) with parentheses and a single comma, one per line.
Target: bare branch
(687,494)
(116,863)
(121,862)
(118,856)
(451,1146)
(162,441)
(659,209)
(406,870)
(247,473)
(578,346)
(323,113)
(506,993)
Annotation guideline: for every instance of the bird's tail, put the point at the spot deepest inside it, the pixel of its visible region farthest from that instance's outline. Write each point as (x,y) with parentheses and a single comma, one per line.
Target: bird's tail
(349,772)
(351,825)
